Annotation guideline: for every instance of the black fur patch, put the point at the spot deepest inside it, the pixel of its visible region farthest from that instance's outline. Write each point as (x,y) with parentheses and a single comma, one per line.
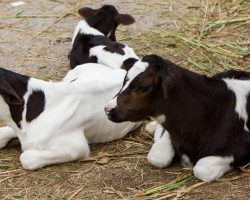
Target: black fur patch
(82,45)
(248,111)
(93,59)
(241,75)
(35,105)
(103,20)
(19,83)
(128,63)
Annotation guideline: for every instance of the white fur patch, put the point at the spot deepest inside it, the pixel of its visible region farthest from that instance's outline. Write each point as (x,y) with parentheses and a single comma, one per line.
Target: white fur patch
(112,60)
(162,152)
(211,168)
(151,126)
(138,68)
(185,161)
(83,27)
(159,132)
(160,119)
(112,104)
(241,88)
(6,134)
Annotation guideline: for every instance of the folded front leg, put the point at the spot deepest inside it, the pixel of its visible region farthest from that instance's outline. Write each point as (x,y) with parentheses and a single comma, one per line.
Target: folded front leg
(211,168)
(6,134)
(162,152)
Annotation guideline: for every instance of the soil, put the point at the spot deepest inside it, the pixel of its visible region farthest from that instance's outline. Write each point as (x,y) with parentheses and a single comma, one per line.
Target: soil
(37,45)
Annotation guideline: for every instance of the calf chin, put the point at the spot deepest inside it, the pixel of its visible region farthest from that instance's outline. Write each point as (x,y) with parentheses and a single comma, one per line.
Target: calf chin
(115,117)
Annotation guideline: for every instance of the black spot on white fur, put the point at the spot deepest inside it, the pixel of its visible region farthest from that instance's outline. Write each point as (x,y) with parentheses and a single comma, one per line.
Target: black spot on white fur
(128,63)
(84,42)
(18,83)
(35,105)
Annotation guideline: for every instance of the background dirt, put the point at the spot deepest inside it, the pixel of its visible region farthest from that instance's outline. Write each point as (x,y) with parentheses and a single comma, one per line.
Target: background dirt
(35,40)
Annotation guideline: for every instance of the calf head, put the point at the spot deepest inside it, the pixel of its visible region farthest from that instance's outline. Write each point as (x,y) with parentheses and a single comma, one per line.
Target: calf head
(145,89)
(105,19)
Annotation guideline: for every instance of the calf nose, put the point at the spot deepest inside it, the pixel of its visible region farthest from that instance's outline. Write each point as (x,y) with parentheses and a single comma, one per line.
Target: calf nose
(109,110)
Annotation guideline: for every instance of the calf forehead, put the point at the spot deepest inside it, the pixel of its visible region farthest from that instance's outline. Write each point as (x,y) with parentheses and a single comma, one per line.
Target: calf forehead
(138,68)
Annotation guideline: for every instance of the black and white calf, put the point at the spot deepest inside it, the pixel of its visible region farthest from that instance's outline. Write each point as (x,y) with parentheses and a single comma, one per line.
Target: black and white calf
(94,38)
(55,121)
(207,117)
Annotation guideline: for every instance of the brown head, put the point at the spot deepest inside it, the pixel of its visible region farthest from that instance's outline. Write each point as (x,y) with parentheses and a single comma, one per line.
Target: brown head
(105,19)
(145,89)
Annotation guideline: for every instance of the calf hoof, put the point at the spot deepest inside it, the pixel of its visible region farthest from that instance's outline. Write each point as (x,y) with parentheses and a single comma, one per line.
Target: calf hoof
(29,161)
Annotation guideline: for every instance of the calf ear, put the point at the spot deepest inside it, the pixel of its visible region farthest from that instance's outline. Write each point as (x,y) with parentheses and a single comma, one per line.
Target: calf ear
(124,19)
(9,94)
(128,63)
(86,12)
(167,77)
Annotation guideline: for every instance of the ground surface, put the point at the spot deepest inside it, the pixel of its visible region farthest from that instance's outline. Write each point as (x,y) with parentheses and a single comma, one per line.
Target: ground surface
(205,36)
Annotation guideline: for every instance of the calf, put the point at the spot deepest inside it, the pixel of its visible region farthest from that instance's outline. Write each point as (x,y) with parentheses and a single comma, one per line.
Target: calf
(94,38)
(207,117)
(55,121)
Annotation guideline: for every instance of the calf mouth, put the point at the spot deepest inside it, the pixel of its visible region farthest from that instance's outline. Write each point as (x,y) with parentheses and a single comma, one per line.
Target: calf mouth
(115,116)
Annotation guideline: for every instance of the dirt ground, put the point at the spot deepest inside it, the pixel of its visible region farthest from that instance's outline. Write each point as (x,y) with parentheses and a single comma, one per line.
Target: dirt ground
(205,36)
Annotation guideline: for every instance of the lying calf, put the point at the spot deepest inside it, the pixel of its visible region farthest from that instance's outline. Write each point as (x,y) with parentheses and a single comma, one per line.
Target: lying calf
(207,118)
(94,38)
(162,142)
(55,121)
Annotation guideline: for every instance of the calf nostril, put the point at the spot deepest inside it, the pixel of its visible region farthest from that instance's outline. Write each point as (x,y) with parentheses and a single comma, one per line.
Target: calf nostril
(109,110)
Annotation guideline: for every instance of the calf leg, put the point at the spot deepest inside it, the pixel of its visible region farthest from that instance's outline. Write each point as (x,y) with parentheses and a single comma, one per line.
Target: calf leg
(162,152)
(65,150)
(151,127)
(211,168)
(6,134)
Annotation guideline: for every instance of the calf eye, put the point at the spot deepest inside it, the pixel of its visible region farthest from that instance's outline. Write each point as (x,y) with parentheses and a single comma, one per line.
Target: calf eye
(142,89)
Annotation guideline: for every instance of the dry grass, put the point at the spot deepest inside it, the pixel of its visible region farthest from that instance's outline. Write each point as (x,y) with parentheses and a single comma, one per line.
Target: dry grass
(205,36)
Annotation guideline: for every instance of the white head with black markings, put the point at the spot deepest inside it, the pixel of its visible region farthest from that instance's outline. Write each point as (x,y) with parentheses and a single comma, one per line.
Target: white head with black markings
(147,81)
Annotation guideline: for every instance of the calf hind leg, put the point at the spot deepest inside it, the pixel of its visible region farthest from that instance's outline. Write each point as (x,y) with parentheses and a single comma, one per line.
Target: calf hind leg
(6,134)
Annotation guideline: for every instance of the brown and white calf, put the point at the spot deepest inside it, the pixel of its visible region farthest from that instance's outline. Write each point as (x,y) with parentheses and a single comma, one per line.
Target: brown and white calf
(94,39)
(207,117)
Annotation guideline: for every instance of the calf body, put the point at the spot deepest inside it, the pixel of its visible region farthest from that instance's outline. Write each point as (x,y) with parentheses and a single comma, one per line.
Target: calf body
(55,121)
(94,38)
(207,118)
